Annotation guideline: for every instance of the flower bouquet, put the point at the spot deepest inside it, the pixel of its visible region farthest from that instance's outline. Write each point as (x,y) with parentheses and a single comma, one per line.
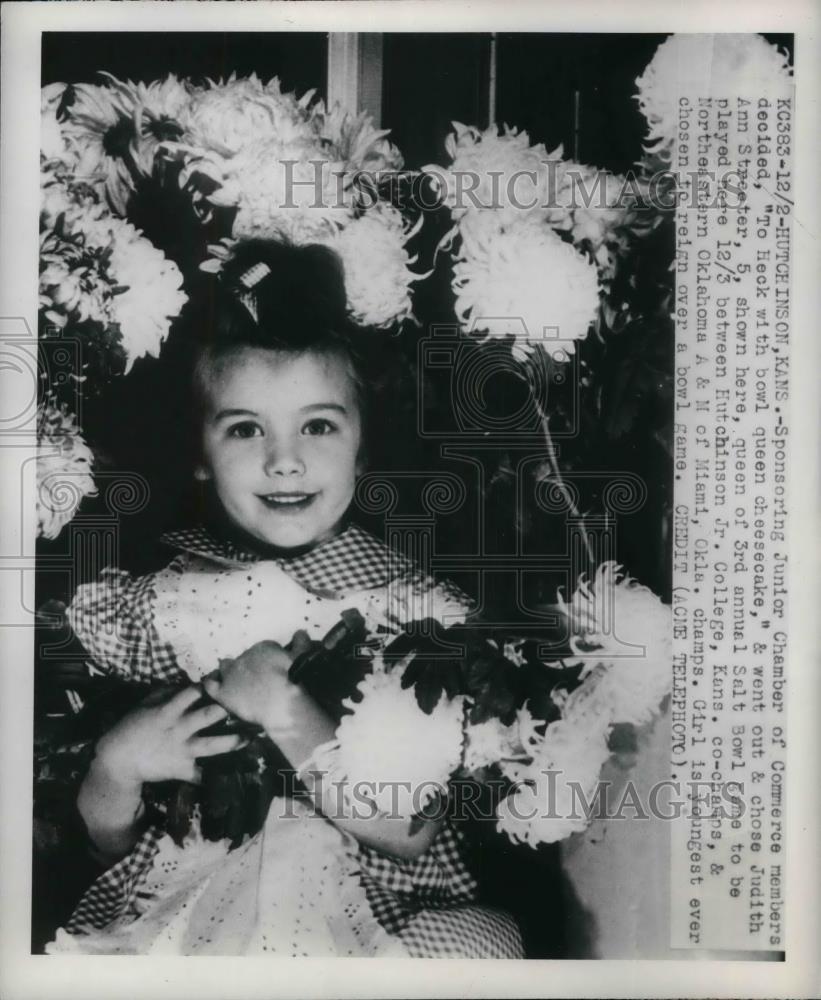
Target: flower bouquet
(468,703)
(527,718)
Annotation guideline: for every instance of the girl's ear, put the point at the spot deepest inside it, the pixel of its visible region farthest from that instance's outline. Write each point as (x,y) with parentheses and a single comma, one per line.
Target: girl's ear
(201,474)
(361,466)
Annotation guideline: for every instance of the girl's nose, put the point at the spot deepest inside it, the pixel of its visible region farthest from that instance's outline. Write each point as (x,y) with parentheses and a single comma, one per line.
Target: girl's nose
(284,459)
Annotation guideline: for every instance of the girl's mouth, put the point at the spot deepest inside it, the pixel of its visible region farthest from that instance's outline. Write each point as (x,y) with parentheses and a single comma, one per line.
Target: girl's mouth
(287,503)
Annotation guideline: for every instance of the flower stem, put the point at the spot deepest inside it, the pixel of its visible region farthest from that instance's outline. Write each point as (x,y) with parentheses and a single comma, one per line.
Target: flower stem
(553,462)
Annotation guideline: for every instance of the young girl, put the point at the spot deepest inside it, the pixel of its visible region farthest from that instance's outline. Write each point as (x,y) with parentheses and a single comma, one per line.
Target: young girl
(283,409)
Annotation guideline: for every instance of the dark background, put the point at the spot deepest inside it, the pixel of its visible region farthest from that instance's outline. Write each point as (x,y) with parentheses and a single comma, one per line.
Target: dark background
(429,80)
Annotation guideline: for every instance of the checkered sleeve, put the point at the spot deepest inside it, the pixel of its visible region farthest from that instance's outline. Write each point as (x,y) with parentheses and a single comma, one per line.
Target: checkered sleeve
(113,618)
(432,904)
(397,890)
(115,896)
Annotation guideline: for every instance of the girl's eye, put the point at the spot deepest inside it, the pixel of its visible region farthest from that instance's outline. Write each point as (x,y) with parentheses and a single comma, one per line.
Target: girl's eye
(318,427)
(245,429)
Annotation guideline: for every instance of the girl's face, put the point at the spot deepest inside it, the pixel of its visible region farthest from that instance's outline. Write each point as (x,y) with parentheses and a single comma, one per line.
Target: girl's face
(281,442)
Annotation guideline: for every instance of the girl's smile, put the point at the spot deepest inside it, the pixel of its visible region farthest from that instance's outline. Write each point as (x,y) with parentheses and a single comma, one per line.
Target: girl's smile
(288,503)
(281,442)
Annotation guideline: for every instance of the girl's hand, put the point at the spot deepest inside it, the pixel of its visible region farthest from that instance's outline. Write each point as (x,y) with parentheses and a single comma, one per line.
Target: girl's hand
(159,742)
(255,685)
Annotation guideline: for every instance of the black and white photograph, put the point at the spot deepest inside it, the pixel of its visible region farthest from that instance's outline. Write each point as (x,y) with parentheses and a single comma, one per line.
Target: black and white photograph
(399,440)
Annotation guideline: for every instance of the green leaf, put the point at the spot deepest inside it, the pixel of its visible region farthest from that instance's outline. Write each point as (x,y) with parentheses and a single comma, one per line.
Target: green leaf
(430,678)
(493,683)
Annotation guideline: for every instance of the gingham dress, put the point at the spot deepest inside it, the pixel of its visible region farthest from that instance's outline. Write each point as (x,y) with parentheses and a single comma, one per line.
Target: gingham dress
(429,904)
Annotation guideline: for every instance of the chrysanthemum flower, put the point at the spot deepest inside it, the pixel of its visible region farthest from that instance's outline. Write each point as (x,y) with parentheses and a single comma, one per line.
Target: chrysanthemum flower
(378,277)
(547,802)
(354,139)
(147,294)
(100,124)
(603,212)
(622,636)
(294,193)
(64,465)
(227,117)
(491,742)
(73,284)
(619,684)
(96,267)
(66,201)
(523,281)
(706,65)
(618,691)
(616,616)
(159,109)
(497,178)
(388,750)
(496,170)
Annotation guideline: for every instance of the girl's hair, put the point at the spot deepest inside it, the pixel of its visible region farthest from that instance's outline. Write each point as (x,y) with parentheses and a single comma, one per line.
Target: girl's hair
(292,299)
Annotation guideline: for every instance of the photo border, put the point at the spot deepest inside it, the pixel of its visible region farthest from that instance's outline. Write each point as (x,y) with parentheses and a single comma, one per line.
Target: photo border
(23,975)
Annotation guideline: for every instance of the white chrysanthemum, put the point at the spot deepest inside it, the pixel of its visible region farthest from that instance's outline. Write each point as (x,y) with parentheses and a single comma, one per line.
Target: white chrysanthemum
(618,692)
(64,464)
(294,193)
(496,170)
(622,636)
(621,632)
(55,199)
(602,203)
(227,117)
(354,139)
(100,125)
(548,800)
(390,751)
(703,65)
(377,266)
(73,284)
(74,203)
(614,617)
(148,293)
(523,281)
(490,742)
(159,109)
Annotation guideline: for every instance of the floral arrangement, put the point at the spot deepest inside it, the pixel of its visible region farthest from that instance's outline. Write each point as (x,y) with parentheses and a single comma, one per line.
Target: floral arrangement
(495,712)
(543,257)
(571,267)
(99,272)
(499,713)
(251,160)
(537,240)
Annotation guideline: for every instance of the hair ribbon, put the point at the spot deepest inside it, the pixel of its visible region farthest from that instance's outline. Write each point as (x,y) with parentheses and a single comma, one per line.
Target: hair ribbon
(248,280)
